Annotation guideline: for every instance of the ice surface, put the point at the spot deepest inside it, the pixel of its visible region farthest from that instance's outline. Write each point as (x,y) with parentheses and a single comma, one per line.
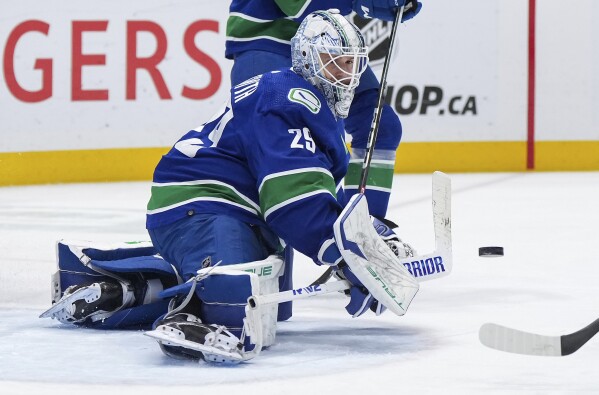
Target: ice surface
(547,283)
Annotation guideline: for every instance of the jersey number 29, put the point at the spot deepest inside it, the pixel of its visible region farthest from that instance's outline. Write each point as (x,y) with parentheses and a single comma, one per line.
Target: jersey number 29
(302,139)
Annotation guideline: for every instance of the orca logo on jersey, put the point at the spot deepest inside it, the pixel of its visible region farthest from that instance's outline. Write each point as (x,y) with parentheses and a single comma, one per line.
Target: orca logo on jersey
(305,98)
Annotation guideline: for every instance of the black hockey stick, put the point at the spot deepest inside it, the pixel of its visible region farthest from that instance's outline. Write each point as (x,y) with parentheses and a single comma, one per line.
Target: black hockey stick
(511,340)
(374,127)
(324,277)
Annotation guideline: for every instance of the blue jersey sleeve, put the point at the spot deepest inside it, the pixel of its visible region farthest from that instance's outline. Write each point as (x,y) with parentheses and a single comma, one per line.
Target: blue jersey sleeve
(299,9)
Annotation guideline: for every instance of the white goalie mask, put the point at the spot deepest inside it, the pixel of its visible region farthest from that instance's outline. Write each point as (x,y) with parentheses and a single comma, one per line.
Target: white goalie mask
(329,52)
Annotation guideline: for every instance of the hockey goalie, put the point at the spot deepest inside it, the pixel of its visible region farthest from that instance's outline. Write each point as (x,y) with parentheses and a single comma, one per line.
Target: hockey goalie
(233,198)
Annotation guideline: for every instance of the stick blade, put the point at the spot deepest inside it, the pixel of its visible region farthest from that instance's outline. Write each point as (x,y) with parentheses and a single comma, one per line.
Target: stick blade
(440,262)
(442,210)
(515,341)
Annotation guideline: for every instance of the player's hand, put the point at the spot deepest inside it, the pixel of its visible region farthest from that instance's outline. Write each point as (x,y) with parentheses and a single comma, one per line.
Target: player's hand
(386,9)
(360,297)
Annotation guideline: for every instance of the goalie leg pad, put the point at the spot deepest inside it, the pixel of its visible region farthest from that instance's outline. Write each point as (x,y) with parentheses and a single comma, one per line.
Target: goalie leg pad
(123,278)
(224,296)
(222,292)
(81,262)
(224,239)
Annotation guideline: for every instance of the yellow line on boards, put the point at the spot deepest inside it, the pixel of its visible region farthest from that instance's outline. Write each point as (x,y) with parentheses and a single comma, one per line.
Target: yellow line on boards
(48,167)
(137,164)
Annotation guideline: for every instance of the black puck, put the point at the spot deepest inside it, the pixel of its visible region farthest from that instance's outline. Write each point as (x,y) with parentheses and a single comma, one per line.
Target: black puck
(490,251)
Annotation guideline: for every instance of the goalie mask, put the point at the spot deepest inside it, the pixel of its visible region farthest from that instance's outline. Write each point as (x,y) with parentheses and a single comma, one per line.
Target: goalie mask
(329,52)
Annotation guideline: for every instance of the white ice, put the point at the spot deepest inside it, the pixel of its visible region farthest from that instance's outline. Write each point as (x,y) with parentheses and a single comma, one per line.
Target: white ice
(548,282)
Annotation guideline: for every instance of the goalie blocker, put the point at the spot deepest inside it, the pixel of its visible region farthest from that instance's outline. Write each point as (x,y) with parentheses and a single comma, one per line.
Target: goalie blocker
(371,260)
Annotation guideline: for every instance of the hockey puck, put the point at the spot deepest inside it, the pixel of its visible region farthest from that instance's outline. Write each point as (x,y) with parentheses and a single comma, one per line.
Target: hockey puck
(490,251)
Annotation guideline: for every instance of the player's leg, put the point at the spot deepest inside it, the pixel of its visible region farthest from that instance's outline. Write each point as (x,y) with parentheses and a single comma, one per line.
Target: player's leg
(202,240)
(357,124)
(252,63)
(213,305)
(109,285)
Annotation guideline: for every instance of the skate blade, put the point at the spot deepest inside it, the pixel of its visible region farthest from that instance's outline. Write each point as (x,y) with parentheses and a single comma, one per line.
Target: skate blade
(66,301)
(172,339)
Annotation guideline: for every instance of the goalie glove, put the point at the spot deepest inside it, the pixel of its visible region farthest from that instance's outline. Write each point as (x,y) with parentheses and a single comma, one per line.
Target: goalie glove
(360,298)
(384,228)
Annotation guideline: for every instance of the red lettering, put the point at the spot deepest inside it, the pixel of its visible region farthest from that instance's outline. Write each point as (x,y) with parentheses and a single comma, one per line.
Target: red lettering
(45,65)
(79,60)
(149,63)
(203,59)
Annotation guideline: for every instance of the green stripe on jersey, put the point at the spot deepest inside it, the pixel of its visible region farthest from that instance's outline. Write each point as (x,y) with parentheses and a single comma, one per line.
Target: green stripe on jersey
(379,174)
(286,188)
(239,28)
(292,7)
(175,195)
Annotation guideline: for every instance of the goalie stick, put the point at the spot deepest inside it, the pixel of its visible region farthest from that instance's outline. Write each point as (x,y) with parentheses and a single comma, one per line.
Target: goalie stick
(374,126)
(516,341)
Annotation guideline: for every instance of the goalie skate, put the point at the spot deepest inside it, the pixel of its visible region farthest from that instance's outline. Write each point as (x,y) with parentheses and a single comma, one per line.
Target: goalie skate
(185,336)
(96,302)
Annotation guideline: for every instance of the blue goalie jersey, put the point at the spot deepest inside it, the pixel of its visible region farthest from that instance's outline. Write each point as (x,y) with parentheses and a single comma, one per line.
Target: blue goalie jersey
(274,156)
